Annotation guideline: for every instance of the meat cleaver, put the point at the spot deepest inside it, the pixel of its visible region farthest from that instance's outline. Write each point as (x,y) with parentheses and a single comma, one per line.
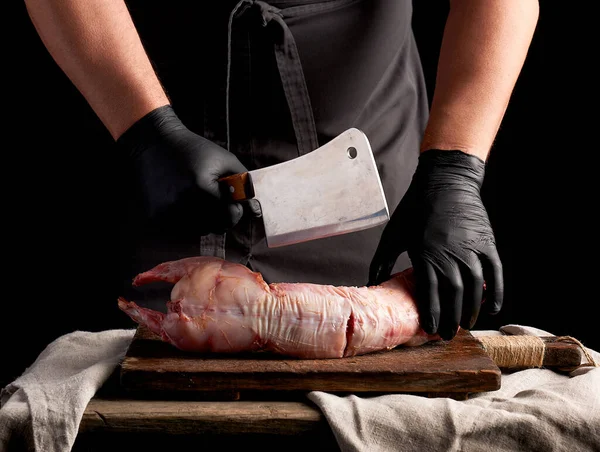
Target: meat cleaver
(332,190)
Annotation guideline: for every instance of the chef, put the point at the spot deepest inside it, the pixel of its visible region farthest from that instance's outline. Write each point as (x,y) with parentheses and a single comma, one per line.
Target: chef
(200,90)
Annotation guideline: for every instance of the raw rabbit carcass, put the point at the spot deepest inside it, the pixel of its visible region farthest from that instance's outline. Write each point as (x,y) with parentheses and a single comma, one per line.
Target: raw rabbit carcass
(222,307)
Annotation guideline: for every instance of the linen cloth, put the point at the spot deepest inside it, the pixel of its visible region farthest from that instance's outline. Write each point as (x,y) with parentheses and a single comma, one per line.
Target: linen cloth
(534,410)
(41,409)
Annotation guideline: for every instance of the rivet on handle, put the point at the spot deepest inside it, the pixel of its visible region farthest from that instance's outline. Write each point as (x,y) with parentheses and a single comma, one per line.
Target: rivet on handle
(238,186)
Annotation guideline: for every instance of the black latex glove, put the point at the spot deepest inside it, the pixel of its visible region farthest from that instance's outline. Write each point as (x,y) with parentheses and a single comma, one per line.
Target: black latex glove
(176,174)
(443,225)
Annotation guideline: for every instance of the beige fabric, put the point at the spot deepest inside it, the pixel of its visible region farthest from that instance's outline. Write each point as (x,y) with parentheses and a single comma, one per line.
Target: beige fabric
(535,410)
(41,410)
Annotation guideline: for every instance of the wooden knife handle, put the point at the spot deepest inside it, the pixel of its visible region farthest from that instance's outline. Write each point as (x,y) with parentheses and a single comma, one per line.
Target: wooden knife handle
(238,186)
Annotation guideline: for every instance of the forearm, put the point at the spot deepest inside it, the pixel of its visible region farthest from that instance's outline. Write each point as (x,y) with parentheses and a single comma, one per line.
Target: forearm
(483,50)
(97,46)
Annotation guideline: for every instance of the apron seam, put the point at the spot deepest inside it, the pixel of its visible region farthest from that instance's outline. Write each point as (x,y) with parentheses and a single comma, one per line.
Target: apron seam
(250,229)
(294,11)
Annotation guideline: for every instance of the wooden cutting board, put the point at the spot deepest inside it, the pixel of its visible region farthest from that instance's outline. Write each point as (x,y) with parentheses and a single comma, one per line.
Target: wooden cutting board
(455,369)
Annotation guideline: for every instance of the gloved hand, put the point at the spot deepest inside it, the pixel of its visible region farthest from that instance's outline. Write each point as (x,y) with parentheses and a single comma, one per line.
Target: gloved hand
(176,173)
(443,225)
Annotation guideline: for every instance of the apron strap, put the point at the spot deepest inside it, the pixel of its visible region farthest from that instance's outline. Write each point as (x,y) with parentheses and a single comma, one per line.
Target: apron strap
(290,71)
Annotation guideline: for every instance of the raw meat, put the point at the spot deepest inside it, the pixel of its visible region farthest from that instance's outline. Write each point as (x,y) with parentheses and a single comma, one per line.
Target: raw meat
(223,307)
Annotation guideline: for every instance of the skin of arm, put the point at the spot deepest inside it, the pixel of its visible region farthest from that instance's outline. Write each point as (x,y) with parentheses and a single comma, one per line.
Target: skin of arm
(484,47)
(96,45)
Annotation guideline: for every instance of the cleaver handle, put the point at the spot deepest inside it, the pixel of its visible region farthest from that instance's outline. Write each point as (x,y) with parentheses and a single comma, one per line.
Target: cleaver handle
(238,186)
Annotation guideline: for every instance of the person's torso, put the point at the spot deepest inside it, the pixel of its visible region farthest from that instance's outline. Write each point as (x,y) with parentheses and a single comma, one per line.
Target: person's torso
(233,79)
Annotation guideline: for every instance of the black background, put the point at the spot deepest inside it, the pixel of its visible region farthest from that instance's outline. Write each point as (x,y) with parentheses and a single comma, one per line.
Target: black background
(62,183)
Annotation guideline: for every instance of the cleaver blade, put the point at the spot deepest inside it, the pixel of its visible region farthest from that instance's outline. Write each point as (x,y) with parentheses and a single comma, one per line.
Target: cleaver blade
(333,190)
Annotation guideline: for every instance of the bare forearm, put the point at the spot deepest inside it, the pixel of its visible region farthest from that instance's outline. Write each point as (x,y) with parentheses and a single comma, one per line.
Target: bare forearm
(483,50)
(97,46)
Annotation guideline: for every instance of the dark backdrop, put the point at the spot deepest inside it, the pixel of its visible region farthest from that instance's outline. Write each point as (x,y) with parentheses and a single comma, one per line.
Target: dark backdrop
(62,204)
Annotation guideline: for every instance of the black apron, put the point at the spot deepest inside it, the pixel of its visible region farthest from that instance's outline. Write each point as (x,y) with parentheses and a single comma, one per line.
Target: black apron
(273,81)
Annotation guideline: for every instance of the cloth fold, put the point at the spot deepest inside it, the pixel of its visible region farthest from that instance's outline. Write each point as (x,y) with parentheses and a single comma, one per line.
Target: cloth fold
(41,410)
(534,410)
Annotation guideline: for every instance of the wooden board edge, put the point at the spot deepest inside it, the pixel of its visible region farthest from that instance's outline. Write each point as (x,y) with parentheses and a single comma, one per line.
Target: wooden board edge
(187,417)
(488,378)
